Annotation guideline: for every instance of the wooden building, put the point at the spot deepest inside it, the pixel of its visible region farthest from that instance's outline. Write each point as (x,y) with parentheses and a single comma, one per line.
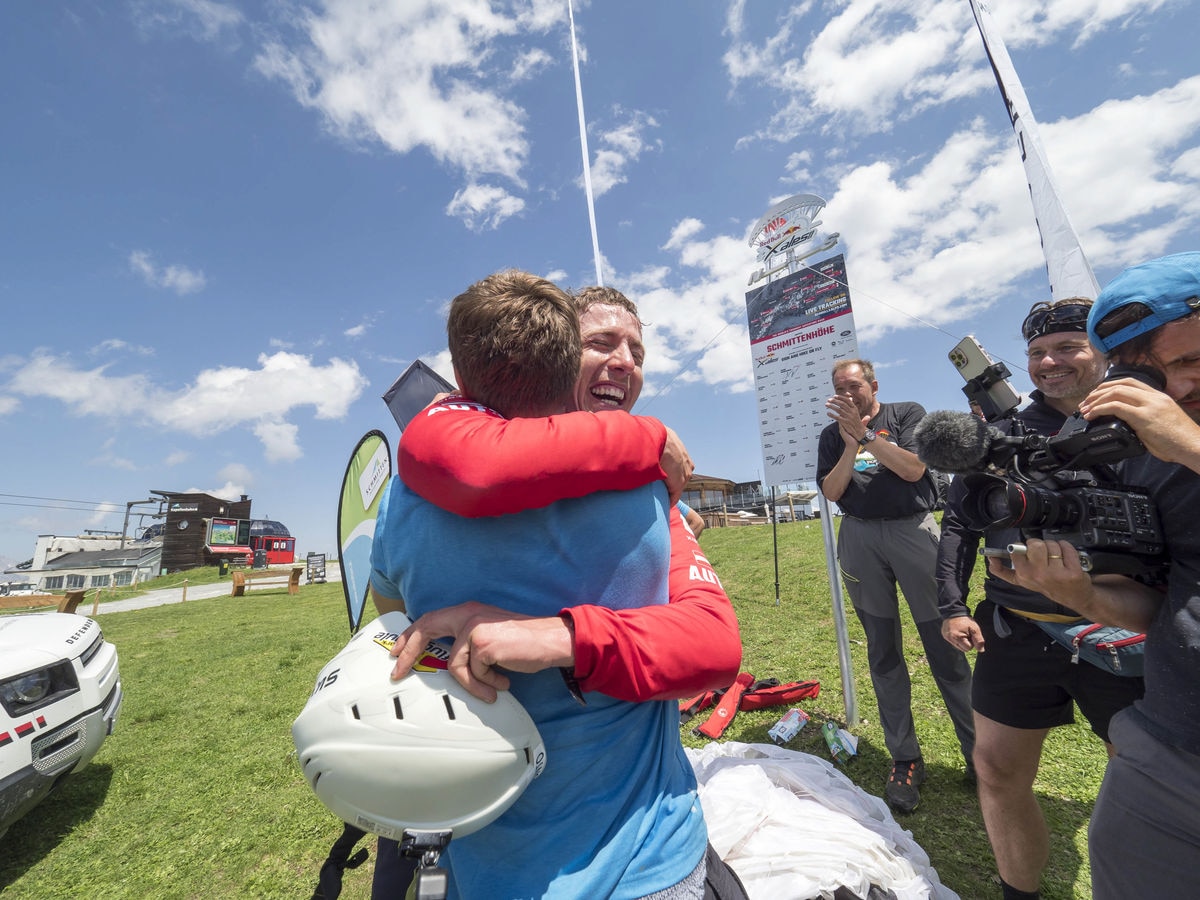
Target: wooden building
(185,531)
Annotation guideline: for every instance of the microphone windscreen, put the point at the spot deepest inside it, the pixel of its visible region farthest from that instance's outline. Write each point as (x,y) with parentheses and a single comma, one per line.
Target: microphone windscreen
(953,442)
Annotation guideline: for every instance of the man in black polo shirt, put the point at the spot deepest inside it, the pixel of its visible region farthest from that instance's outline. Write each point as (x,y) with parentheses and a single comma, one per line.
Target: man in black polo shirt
(867,464)
(1025,683)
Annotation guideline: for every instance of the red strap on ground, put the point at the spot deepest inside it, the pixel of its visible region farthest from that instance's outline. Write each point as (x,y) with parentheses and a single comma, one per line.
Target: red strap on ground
(780,694)
(723,715)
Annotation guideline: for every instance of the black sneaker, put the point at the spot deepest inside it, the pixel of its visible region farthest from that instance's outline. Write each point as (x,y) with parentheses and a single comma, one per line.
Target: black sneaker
(901,791)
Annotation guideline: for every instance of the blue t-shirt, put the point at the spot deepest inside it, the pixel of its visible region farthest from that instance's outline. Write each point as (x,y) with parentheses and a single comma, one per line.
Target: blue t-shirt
(615,813)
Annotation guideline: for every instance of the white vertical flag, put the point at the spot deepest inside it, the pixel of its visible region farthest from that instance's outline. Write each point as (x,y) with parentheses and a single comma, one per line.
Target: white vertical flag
(1068,268)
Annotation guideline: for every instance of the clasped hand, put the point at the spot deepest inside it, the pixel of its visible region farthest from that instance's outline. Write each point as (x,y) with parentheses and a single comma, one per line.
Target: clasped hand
(843,411)
(486,640)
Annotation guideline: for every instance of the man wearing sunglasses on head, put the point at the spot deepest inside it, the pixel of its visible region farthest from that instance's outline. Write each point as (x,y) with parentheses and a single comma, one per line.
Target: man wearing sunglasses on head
(1144,837)
(1025,683)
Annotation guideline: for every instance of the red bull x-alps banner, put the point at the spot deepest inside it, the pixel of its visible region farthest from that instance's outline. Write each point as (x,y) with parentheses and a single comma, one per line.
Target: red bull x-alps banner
(800,325)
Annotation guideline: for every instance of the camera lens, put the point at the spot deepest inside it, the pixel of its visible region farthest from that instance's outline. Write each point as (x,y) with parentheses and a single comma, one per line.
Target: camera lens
(995,502)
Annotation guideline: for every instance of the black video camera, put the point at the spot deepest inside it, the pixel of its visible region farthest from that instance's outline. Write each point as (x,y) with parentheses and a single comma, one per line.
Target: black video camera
(1062,488)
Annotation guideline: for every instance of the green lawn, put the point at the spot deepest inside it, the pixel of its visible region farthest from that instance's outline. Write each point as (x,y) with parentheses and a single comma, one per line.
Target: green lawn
(197,794)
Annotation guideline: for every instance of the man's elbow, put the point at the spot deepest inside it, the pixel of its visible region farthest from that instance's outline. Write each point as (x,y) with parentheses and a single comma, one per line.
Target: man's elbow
(831,494)
(724,653)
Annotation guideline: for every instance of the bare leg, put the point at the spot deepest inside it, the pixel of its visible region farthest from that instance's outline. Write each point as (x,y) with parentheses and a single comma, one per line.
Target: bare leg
(1006,760)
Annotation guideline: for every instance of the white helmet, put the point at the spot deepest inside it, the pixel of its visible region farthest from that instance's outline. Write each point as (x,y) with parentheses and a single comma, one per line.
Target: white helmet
(419,754)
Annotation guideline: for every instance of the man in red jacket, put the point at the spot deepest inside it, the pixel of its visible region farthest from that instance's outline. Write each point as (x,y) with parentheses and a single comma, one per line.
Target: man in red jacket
(620,635)
(528,463)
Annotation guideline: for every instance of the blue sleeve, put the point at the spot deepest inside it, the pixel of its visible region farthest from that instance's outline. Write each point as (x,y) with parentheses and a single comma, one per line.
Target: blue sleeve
(381,580)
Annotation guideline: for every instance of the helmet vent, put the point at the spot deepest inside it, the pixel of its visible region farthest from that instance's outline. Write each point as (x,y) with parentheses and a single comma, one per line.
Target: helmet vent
(396,706)
(354,711)
(449,707)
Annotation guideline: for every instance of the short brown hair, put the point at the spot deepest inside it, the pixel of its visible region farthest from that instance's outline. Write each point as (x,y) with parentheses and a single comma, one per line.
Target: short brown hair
(868,369)
(514,341)
(586,298)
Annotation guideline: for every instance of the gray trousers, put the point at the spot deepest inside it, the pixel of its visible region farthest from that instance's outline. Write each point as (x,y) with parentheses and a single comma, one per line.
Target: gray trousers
(1144,837)
(874,556)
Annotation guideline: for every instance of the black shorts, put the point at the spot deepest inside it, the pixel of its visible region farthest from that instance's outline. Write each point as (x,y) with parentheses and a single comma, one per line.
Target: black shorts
(1026,680)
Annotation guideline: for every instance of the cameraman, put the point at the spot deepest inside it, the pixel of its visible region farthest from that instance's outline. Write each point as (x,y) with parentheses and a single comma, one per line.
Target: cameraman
(1144,837)
(1025,684)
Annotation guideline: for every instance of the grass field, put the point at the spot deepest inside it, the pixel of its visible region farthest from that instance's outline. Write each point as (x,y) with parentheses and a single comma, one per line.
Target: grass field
(197,793)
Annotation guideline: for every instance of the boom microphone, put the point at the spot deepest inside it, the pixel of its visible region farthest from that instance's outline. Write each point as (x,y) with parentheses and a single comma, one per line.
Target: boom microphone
(955,442)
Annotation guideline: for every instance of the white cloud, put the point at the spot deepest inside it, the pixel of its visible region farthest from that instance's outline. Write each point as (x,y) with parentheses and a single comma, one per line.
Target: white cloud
(236,472)
(102,512)
(116,344)
(879,60)
(179,279)
(483,206)
(682,232)
(422,75)
(279,440)
(529,64)
(440,363)
(218,399)
(202,20)
(356,331)
(177,457)
(8,405)
(238,481)
(620,147)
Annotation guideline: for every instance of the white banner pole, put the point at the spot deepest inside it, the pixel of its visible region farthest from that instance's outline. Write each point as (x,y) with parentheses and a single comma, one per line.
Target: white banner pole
(1066,265)
(839,612)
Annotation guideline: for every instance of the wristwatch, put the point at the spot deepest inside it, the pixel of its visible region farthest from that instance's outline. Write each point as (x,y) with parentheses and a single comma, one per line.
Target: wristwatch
(867,438)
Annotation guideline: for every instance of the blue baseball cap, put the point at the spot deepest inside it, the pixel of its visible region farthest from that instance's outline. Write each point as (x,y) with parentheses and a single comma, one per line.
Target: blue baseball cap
(1145,297)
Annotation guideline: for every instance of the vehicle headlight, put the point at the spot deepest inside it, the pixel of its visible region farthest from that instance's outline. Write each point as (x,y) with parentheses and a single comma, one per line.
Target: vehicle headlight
(27,688)
(24,693)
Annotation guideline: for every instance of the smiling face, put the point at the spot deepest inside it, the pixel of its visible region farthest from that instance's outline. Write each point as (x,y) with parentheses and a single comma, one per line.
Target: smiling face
(610,374)
(851,382)
(1064,366)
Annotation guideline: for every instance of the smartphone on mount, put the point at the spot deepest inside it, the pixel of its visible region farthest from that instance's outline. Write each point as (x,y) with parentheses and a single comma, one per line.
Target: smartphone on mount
(987,380)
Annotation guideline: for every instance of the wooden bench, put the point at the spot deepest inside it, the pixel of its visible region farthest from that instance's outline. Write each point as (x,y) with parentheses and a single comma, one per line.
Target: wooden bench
(242,580)
(64,603)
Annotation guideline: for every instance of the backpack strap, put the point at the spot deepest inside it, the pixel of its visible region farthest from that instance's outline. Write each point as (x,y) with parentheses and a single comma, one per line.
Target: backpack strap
(329,881)
(690,706)
(727,708)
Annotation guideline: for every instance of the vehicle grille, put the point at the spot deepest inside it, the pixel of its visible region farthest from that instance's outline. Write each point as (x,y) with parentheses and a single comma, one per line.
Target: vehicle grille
(52,750)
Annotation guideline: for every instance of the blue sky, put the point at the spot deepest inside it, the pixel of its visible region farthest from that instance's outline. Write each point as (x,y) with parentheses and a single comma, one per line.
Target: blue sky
(228,226)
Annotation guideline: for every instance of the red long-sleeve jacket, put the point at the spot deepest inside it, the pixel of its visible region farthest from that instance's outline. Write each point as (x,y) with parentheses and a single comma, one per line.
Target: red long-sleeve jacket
(469,460)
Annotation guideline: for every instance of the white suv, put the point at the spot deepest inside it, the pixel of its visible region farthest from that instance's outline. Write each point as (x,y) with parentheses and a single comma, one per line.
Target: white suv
(60,693)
